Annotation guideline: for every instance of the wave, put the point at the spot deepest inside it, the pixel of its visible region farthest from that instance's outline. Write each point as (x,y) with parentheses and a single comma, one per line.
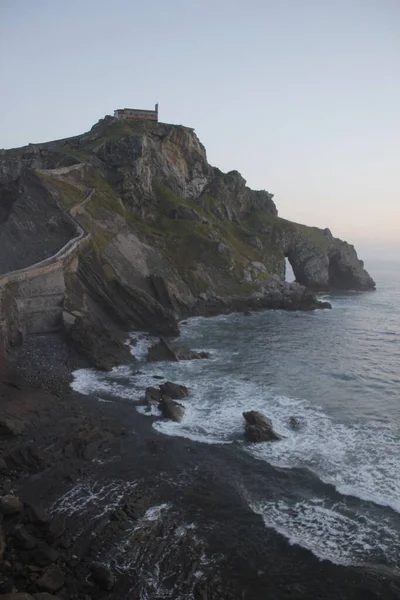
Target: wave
(332,531)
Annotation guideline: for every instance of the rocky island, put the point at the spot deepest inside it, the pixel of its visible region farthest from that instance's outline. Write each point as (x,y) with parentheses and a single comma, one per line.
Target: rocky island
(128,228)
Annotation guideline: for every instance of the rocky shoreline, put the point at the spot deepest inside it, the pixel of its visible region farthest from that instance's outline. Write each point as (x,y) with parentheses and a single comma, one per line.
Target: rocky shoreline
(106,507)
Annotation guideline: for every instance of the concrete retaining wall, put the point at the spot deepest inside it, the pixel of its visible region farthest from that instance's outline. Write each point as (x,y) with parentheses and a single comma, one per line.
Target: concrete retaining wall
(39,290)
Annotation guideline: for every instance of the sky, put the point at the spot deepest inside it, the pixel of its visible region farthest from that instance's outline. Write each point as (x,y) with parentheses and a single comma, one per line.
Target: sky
(302,97)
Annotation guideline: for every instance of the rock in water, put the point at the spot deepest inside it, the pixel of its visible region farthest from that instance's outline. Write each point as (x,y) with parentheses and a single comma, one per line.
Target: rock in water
(259,428)
(102,576)
(162,351)
(174,390)
(171,409)
(152,396)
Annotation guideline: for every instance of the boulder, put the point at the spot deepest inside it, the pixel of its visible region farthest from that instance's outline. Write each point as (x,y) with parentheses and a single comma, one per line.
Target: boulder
(3,465)
(295,424)
(45,596)
(171,409)
(11,427)
(57,528)
(2,543)
(184,353)
(152,396)
(174,390)
(185,212)
(259,428)
(44,555)
(52,579)
(17,596)
(23,539)
(10,504)
(162,351)
(38,515)
(103,576)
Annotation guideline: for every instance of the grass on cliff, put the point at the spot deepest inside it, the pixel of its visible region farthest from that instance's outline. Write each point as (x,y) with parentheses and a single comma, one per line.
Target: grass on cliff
(68,194)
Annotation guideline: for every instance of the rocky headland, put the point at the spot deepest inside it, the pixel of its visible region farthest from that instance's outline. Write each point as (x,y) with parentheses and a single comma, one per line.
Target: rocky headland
(127,227)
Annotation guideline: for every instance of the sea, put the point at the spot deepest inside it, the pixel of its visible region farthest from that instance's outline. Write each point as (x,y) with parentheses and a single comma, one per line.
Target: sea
(337,372)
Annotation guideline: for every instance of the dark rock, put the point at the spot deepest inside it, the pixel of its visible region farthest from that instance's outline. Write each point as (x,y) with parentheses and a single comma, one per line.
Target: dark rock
(162,351)
(325,304)
(45,596)
(10,504)
(171,409)
(36,514)
(95,342)
(259,428)
(3,465)
(152,396)
(185,212)
(44,555)
(2,543)
(16,596)
(174,390)
(103,576)
(184,353)
(57,528)
(295,424)
(247,313)
(52,579)
(23,539)
(11,427)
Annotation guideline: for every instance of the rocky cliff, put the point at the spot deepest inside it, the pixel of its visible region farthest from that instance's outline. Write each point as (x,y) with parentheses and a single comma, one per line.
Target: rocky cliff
(168,234)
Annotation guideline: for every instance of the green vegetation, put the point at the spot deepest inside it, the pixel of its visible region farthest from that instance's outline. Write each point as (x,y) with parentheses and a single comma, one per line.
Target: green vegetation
(67,193)
(99,242)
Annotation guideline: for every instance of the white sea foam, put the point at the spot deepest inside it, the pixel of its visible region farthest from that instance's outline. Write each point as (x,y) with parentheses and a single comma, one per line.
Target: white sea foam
(331,531)
(140,343)
(88,495)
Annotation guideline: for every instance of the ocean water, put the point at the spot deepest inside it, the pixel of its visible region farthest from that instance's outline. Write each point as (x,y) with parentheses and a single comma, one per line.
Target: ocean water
(338,373)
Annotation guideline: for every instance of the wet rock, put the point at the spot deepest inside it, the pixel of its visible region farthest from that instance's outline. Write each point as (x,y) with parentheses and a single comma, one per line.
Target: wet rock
(57,528)
(174,390)
(23,539)
(152,396)
(162,351)
(44,555)
(295,424)
(52,579)
(36,514)
(103,576)
(10,504)
(45,596)
(11,427)
(322,304)
(171,409)
(259,428)
(2,543)
(185,353)
(3,465)
(17,596)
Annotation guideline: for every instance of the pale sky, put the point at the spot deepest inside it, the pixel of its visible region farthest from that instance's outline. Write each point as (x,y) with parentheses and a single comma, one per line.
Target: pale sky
(301,96)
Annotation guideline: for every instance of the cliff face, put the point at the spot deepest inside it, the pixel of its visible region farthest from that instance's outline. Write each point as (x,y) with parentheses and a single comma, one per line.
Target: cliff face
(164,227)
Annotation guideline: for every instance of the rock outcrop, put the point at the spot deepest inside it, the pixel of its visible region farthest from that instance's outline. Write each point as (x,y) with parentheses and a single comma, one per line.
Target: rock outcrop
(259,428)
(164,229)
